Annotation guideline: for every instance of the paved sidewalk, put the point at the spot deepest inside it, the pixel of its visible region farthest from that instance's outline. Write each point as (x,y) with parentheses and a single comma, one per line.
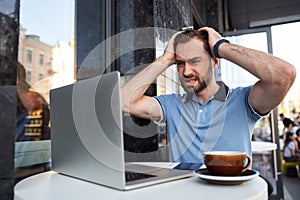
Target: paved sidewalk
(291,188)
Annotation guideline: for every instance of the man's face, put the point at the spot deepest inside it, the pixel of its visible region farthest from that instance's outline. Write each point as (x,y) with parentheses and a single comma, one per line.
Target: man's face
(194,65)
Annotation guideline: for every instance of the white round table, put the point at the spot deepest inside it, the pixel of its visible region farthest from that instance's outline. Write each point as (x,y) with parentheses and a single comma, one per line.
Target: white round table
(261,151)
(54,186)
(260,147)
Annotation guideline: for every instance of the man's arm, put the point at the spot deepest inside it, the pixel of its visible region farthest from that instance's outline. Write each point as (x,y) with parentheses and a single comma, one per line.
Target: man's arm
(31,100)
(133,99)
(275,75)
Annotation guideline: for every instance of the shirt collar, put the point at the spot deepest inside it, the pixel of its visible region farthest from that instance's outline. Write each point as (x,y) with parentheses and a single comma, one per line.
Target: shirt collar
(221,94)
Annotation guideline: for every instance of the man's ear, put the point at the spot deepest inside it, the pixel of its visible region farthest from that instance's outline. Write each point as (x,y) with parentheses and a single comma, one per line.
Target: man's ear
(215,62)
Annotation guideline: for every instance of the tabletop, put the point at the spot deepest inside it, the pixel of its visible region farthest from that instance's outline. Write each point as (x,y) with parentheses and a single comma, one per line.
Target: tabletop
(52,185)
(260,147)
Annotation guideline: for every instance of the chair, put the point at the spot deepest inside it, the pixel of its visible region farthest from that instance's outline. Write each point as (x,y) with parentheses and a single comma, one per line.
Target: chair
(285,165)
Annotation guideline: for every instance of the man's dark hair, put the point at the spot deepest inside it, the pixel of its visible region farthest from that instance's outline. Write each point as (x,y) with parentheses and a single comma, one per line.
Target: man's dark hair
(189,34)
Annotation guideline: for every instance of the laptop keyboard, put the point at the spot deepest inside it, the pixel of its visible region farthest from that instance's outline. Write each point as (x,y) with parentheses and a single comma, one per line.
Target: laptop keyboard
(133,176)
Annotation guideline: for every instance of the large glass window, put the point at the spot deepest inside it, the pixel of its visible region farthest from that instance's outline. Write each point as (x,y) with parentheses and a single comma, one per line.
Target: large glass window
(285,39)
(46,61)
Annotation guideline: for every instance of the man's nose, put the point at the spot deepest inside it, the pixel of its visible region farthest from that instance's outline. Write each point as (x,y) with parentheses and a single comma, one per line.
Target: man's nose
(188,68)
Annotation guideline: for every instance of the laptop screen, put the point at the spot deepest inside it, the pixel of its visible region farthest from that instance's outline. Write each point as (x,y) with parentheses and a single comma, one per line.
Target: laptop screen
(86,130)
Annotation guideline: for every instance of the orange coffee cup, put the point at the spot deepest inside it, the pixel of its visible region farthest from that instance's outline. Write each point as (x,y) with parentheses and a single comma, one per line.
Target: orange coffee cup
(227,163)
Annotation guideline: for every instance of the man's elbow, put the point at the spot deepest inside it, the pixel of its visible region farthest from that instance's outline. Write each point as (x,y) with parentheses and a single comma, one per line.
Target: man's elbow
(290,75)
(287,77)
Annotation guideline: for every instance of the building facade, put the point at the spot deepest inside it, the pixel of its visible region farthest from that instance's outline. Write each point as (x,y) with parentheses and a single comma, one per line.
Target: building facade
(46,66)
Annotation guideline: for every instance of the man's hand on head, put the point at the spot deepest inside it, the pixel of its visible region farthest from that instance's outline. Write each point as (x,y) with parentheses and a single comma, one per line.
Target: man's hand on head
(169,54)
(213,36)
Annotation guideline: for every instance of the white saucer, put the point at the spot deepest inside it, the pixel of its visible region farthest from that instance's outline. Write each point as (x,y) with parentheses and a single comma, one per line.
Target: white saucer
(226,180)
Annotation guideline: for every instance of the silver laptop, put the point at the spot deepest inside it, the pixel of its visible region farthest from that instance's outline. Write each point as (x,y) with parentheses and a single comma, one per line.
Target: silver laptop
(87,136)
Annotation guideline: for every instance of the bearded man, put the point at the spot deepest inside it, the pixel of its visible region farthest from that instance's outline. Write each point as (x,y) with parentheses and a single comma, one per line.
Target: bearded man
(209,116)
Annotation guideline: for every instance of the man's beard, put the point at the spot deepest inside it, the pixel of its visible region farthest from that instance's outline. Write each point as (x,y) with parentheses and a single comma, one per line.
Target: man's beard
(194,89)
(202,85)
(202,81)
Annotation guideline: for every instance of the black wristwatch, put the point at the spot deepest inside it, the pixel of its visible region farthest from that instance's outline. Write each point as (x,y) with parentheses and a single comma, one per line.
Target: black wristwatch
(216,47)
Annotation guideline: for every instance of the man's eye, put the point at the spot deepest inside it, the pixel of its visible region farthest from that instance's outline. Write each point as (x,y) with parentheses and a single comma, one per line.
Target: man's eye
(179,63)
(193,62)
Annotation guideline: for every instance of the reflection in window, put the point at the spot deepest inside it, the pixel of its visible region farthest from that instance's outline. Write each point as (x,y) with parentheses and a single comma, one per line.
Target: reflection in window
(41,59)
(2,46)
(46,61)
(28,76)
(29,56)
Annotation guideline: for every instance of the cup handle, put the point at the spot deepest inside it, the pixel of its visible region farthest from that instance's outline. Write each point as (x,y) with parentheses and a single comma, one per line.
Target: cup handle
(249,163)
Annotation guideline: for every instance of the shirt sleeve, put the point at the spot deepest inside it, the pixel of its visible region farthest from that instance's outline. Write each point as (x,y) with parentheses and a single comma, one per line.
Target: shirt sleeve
(162,115)
(254,114)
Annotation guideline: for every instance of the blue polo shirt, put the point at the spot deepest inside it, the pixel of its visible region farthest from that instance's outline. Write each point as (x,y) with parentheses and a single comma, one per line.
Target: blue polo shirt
(224,122)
